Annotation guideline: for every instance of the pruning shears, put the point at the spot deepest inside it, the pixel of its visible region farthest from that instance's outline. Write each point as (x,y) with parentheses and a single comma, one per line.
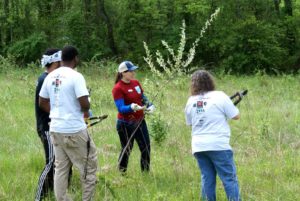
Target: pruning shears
(239,95)
(89,121)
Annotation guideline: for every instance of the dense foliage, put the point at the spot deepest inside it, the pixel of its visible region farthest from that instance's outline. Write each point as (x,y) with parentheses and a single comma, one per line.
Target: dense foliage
(248,35)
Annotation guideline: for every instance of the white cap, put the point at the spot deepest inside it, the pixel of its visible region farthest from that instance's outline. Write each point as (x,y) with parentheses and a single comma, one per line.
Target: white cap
(126,66)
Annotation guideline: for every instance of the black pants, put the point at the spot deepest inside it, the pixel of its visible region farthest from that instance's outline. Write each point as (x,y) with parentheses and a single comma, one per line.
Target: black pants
(47,177)
(46,180)
(141,135)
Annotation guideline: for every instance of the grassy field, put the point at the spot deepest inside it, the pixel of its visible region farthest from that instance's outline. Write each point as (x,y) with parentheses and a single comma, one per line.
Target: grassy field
(266,140)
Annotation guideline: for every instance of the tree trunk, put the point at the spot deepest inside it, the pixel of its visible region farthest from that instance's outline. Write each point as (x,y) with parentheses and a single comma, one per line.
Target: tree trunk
(6,8)
(110,33)
(6,37)
(28,27)
(276,5)
(44,9)
(1,39)
(87,21)
(87,10)
(44,15)
(238,11)
(58,6)
(290,34)
(288,7)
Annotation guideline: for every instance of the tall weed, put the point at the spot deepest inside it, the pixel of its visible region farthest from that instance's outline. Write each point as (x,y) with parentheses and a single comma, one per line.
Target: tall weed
(177,62)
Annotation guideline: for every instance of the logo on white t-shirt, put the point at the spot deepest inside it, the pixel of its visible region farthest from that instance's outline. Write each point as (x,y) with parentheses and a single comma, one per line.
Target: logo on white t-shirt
(56,83)
(200,106)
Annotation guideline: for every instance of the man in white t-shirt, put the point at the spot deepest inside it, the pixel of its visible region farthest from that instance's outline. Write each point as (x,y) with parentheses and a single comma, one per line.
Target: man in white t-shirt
(65,96)
(208,111)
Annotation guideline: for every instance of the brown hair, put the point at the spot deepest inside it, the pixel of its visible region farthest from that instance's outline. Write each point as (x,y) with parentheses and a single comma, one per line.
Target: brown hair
(118,77)
(202,81)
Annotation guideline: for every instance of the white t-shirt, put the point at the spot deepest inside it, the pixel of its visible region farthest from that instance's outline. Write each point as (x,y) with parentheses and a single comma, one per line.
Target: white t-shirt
(208,115)
(63,87)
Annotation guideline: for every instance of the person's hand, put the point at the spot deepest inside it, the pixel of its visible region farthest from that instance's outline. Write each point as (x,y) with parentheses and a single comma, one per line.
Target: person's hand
(150,109)
(135,107)
(86,114)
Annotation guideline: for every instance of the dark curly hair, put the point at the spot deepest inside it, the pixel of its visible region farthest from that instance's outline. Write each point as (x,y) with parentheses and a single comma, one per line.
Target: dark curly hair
(69,53)
(202,82)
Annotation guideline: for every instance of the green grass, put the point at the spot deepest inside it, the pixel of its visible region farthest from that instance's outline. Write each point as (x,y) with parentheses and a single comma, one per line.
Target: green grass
(266,140)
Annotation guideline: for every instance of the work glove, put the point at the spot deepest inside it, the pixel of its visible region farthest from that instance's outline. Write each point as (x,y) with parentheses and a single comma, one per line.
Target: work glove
(150,109)
(135,107)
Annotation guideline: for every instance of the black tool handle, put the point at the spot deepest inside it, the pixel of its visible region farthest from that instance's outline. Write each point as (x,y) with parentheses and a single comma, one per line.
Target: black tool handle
(240,95)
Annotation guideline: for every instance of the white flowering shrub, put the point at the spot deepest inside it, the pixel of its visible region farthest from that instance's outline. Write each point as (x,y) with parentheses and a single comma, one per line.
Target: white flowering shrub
(176,63)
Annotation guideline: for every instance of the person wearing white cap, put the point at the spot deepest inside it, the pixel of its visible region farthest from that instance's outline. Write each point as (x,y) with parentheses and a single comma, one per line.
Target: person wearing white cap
(50,61)
(131,104)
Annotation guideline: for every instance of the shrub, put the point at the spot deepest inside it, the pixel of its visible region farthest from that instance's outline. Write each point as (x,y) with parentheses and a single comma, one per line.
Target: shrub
(252,46)
(6,64)
(29,49)
(158,128)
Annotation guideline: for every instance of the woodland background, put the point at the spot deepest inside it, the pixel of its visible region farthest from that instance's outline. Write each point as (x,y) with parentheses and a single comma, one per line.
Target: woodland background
(247,36)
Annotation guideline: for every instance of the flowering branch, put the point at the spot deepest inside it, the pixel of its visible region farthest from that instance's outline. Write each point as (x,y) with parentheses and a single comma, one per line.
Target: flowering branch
(177,65)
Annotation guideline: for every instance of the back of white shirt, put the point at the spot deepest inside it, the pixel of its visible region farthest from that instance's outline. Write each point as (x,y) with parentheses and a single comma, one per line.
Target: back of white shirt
(63,87)
(208,115)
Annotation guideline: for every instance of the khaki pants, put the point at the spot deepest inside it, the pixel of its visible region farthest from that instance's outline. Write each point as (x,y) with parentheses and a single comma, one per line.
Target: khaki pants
(72,149)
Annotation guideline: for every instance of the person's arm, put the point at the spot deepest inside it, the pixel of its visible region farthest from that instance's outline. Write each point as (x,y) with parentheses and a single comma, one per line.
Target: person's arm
(237,117)
(44,99)
(37,90)
(150,108)
(122,108)
(38,87)
(187,111)
(82,94)
(120,103)
(231,111)
(146,101)
(44,104)
(84,103)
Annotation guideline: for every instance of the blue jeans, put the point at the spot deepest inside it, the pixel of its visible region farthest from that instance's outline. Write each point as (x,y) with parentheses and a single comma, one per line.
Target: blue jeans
(212,163)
